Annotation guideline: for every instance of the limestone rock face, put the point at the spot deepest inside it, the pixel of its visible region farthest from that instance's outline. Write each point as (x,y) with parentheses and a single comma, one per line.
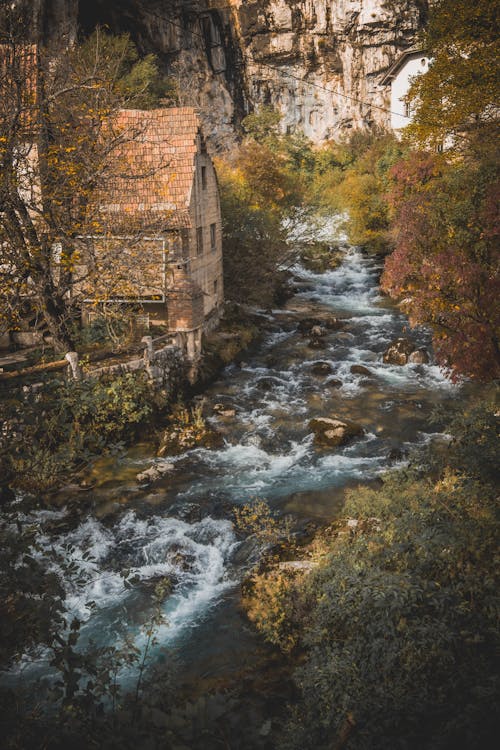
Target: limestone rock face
(230,58)
(341,47)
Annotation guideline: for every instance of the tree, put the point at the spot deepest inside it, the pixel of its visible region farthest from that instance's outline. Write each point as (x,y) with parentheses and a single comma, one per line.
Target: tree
(61,145)
(456,101)
(444,208)
(254,239)
(445,268)
(262,184)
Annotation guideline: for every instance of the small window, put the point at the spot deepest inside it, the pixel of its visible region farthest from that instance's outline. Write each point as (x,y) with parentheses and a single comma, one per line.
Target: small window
(199,240)
(204,178)
(216,287)
(423,62)
(407,109)
(213,237)
(440,148)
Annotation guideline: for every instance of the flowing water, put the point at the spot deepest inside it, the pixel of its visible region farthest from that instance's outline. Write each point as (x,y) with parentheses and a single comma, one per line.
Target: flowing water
(179,527)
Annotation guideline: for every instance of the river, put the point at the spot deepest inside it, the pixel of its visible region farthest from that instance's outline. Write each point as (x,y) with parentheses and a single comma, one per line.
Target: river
(180,526)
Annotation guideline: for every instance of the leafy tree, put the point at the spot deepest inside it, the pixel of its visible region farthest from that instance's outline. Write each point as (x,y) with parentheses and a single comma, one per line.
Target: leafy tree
(459,94)
(262,184)
(446,262)
(60,145)
(354,176)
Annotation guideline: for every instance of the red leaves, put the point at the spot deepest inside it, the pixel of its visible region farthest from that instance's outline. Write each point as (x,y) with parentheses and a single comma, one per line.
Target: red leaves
(445,265)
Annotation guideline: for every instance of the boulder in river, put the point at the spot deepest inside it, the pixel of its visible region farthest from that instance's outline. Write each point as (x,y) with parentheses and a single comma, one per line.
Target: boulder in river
(398,352)
(306,324)
(317,332)
(419,357)
(397,454)
(154,472)
(334,432)
(223,411)
(332,323)
(317,343)
(334,383)
(321,368)
(360,370)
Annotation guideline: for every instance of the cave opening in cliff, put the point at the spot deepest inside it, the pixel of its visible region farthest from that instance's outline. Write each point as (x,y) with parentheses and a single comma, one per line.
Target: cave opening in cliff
(92,13)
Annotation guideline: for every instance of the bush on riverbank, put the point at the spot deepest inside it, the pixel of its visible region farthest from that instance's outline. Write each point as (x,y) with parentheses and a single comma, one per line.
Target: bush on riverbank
(49,431)
(398,623)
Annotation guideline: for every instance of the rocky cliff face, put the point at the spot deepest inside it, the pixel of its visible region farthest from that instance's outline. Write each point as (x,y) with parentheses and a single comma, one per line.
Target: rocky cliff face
(318,61)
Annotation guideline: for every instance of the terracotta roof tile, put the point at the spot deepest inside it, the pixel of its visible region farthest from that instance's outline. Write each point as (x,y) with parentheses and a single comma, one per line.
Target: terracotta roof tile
(154,168)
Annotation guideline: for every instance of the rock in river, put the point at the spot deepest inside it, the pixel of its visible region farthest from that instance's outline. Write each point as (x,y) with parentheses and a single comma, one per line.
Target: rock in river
(334,432)
(156,471)
(398,352)
(360,370)
(419,357)
(321,368)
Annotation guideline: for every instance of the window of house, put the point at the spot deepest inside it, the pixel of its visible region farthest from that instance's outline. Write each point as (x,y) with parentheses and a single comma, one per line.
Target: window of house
(213,237)
(199,240)
(216,287)
(204,178)
(440,148)
(407,109)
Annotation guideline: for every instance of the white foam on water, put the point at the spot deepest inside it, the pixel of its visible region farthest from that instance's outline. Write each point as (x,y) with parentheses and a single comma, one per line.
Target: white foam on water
(249,469)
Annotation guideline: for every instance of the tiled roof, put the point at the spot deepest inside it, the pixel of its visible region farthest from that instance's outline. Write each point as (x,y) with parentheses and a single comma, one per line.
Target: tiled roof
(153,170)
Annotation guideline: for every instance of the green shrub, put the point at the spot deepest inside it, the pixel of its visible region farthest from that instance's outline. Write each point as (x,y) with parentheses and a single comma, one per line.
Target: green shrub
(50,431)
(399,621)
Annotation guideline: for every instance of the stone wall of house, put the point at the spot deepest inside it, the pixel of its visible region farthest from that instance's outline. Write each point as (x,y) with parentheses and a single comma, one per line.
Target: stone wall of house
(205,242)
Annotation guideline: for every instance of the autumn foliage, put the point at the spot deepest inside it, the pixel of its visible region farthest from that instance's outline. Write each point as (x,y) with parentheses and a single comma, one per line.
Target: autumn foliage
(445,265)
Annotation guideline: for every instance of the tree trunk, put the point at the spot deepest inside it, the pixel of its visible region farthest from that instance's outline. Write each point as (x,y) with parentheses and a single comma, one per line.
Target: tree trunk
(57,316)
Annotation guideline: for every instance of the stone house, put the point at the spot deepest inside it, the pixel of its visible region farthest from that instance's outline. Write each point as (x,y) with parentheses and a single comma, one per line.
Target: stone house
(399,77)
(162,216)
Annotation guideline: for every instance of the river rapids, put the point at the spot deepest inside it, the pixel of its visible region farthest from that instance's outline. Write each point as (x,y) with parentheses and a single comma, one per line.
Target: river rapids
(180,526)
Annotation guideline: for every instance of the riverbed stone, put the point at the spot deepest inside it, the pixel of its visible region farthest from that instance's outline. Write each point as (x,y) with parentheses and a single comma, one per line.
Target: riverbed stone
(321,368)
(154,472)
(222,410)
(334,432)
(419,357)
(317,332)
(334,383)
(333,324)
(397,454)
(398,352)
(318,343)
(361,370)
(306,324)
